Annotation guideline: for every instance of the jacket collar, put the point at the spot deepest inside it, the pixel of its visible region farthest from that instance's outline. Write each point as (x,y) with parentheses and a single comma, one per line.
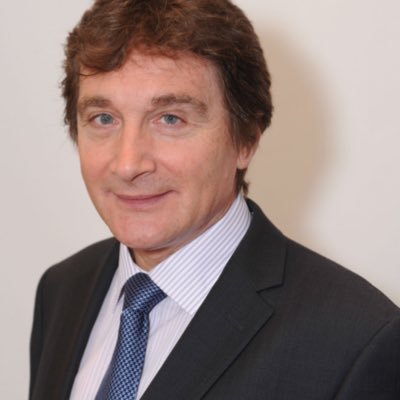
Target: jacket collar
(231,315)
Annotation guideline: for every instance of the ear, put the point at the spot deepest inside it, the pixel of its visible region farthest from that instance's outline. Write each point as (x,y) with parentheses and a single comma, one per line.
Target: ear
(246,153)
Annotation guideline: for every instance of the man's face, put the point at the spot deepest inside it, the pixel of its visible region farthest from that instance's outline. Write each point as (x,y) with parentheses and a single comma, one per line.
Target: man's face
(156,152)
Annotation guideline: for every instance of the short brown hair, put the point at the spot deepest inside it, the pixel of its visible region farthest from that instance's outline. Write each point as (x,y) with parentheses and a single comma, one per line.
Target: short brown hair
(215,30)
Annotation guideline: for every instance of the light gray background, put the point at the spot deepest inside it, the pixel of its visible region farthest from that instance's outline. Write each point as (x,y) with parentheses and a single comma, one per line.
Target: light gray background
(326,173)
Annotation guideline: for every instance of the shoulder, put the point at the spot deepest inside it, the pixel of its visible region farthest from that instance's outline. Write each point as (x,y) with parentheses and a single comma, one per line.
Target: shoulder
(66,286)
(329,307)
(86,257)
(82,264)
(336,287)
(313,285)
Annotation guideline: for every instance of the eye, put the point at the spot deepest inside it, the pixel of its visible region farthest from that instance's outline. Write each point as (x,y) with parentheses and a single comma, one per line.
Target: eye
(104,119)
(171,119)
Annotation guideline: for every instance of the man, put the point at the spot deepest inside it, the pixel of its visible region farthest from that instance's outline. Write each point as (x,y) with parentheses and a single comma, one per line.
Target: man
(166,101)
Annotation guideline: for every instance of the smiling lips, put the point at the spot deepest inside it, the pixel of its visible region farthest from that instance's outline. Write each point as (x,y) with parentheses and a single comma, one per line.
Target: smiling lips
(141,201)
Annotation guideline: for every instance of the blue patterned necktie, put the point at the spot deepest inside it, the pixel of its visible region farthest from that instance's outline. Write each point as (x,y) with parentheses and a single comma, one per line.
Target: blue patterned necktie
(122,378)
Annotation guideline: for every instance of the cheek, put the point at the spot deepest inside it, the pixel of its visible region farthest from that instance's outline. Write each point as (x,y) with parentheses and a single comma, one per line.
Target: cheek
(193,164)
(93,162)
(210,168)
(88,167)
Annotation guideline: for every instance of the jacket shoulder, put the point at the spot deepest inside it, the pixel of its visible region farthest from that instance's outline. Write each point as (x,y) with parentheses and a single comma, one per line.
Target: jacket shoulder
(332,287)
(83,261)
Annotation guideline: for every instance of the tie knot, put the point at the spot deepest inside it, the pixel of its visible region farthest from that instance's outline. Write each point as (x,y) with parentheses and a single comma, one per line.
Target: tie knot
(141,293)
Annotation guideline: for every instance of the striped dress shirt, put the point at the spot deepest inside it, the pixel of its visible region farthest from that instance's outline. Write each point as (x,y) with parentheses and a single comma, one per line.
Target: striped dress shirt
(186,277)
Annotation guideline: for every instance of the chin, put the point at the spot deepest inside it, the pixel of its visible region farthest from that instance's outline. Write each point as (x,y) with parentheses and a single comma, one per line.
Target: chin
(139,239)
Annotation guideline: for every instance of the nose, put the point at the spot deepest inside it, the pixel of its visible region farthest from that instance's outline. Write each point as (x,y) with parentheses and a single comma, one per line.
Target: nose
(133,155)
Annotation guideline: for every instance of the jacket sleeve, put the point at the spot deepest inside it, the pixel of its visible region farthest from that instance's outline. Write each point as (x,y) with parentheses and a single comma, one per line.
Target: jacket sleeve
(375,374)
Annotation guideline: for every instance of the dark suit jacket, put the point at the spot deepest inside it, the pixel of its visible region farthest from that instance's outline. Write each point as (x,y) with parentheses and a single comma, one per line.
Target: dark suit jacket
(281,323)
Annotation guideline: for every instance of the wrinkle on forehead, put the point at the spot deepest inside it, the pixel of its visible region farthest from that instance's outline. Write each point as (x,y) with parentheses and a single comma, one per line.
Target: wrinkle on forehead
(183,67)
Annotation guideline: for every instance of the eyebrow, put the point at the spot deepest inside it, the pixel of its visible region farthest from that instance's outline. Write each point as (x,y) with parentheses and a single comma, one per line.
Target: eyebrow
(159,101)
(172,99)
(96,101)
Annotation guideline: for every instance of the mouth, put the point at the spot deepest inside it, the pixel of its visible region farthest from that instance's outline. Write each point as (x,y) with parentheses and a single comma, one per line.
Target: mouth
(142,201)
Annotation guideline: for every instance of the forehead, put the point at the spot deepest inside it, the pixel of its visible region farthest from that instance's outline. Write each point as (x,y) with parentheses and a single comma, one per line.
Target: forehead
(142,74)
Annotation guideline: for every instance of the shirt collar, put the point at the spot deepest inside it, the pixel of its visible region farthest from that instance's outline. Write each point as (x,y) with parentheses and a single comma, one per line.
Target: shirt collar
(188,275)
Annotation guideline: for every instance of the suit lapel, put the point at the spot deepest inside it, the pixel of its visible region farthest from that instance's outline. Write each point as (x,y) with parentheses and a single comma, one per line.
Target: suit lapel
(91,295)
(229,318)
